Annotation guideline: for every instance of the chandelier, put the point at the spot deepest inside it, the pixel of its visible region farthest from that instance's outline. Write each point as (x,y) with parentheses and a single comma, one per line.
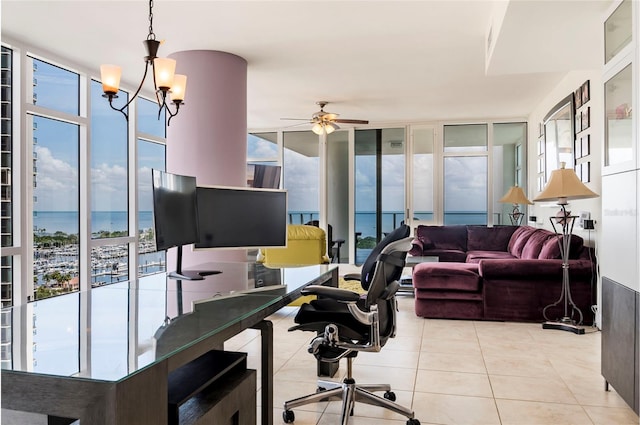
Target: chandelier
(165,81)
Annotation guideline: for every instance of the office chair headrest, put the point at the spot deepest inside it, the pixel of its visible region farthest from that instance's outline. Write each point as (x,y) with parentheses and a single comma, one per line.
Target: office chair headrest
(369,265)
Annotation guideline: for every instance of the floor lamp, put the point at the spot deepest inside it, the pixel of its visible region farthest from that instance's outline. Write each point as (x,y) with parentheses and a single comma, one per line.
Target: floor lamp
(563,186)
(515,196)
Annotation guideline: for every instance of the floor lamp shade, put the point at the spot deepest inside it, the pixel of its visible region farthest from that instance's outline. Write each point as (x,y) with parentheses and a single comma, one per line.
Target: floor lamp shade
(563,185)
(515,196)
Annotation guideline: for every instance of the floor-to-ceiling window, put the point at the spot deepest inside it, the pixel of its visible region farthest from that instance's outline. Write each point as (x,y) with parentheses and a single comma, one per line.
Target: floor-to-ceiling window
(109,191)
(465,174)
(262,150)
(301,175)
(338,195)
(56,174)
(509,167)
(379,186)
(151,154)
(78,163)
(423,174)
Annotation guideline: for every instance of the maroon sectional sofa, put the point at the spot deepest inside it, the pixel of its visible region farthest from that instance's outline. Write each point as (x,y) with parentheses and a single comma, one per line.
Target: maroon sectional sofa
(505,273)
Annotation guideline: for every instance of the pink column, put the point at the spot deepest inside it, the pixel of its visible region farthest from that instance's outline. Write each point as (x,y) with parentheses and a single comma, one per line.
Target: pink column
(208,138)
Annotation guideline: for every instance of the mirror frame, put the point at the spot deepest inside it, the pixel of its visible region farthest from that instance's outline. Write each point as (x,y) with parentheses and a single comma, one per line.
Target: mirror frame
(559,136)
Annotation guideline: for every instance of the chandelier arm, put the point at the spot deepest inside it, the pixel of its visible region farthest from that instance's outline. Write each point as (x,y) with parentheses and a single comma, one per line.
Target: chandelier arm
(155,87)
(164,103)
(146,68)
(111,97)
(171,115)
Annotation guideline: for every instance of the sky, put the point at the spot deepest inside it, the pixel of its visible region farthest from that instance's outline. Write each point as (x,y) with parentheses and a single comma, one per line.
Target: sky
(57,160)
(57,147)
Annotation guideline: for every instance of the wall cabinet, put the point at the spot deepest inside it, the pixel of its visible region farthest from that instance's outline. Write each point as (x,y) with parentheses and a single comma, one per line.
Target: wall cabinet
(620,306)
(620,360)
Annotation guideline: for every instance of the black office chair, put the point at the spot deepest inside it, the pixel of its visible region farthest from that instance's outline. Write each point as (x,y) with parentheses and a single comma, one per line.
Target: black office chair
(334,245)
(346,322)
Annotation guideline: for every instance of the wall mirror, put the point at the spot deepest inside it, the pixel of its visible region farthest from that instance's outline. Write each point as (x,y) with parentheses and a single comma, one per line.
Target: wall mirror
(559,134)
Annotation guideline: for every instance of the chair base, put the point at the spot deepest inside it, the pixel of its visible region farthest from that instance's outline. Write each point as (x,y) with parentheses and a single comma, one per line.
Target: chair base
(349,393)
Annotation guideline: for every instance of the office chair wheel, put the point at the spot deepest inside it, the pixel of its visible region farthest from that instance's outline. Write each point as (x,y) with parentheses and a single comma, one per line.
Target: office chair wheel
(288,417)
(413,422)
(391,396)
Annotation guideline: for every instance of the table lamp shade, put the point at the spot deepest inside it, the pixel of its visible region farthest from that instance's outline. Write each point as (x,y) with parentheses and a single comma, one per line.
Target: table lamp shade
(564,184)
(515,195)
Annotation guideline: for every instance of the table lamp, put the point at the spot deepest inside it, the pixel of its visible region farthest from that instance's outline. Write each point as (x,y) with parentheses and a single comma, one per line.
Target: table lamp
(515,196)
(564,185)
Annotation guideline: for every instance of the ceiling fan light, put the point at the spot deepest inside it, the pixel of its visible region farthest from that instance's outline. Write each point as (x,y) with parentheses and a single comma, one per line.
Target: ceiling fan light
(330,128)
(317,128)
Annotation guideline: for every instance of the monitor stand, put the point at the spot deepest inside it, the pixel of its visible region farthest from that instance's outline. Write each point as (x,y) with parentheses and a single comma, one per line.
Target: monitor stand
(189,274)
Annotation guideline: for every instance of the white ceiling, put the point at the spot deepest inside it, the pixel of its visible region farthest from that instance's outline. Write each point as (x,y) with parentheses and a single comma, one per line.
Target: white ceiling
(385,61)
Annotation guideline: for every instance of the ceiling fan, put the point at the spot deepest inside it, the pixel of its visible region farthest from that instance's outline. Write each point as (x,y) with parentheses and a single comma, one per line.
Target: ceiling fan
(325,122)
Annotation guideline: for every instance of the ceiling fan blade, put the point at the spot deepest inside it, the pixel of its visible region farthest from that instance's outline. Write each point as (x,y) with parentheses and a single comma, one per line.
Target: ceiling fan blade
(297,125)
(295,119)
(346,121)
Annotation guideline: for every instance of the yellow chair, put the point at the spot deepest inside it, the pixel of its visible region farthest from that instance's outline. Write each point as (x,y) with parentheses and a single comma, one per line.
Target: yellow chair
(306,245)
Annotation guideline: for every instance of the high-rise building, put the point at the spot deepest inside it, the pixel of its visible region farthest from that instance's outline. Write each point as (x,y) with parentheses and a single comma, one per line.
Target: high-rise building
(6,225)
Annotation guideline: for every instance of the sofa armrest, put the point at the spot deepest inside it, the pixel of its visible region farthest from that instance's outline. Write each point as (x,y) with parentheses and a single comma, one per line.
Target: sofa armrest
(532,269)
(417,247)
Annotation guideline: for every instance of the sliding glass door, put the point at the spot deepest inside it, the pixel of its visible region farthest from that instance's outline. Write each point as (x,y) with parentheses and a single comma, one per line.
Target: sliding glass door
(379,186)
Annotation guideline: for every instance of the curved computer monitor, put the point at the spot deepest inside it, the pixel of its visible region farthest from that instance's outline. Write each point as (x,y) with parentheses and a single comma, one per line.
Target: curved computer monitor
(235,217)
(263,176)
(175,215)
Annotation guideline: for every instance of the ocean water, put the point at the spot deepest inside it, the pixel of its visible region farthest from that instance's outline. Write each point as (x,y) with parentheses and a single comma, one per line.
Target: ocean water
(365,222)
(49,222)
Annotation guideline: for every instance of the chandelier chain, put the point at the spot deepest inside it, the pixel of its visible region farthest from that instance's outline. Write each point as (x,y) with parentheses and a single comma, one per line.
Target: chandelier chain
(151,35)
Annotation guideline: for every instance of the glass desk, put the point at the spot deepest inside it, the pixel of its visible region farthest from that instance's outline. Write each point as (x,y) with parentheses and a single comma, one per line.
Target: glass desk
(103,356)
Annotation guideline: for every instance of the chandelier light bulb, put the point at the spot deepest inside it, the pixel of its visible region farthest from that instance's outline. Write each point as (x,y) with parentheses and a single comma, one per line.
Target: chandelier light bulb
(164,71)
(110,76)
(179,88)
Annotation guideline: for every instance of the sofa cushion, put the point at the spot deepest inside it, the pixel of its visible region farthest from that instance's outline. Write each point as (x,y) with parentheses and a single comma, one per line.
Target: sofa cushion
(551,248)
(447,276)
(443,237)
(519,239)
(483,238)
(534,244)
(475,256)
(449,305)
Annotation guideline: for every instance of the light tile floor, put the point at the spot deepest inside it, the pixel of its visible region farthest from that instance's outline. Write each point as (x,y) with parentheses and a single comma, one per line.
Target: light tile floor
(455,372)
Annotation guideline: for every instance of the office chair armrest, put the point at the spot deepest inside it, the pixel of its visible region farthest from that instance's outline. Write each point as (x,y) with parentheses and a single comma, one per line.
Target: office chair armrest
(352,276)
(330,292)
